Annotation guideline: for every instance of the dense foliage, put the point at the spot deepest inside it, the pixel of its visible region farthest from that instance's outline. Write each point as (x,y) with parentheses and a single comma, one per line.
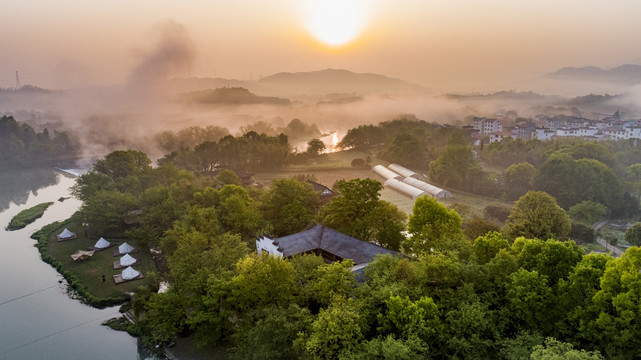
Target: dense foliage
(21,144)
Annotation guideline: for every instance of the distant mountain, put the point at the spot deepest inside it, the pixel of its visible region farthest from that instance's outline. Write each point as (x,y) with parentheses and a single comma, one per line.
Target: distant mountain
(337,81)
(229,96)
(628,74)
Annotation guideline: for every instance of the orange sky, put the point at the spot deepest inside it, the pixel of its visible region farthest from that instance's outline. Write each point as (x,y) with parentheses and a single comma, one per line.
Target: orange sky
(441,44)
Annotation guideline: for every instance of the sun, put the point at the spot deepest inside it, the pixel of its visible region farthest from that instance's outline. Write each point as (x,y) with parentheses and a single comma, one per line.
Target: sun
(335,22)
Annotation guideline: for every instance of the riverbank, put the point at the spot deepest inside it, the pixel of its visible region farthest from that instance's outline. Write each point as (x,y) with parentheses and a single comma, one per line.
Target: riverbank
(86,277)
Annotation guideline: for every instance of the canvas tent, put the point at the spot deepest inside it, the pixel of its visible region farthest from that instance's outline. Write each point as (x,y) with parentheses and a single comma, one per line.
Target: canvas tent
(127,260)
(81,255)
(66,234)
(129,273)
(125,248)
(102,244)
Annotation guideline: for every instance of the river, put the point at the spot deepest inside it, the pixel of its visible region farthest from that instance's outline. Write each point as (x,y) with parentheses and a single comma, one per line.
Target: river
(38,318)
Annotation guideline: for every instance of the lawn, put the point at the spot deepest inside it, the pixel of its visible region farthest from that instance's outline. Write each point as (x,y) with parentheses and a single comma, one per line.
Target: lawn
(27,216)
(89,272)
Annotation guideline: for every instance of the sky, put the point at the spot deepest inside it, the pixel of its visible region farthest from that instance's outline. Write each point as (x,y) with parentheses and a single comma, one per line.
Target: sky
(447,45)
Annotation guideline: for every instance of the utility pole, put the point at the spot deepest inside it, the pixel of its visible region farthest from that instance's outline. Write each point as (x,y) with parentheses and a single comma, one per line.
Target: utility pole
(18,86)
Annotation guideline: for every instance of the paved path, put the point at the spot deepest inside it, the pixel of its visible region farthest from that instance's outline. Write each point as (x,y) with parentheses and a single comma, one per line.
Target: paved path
(608,247)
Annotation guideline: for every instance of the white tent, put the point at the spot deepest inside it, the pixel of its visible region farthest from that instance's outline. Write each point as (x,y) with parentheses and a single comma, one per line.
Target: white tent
(66,234)
(129,273)
(102,243)
(125,248)
(127,260)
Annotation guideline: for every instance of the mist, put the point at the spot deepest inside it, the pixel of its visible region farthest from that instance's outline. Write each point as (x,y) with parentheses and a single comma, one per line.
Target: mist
(129,116)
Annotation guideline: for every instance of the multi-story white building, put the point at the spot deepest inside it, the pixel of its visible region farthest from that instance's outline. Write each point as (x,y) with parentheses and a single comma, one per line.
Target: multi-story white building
(487,126)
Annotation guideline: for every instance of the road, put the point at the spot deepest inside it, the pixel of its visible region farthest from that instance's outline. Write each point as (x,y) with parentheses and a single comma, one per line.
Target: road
(608,247)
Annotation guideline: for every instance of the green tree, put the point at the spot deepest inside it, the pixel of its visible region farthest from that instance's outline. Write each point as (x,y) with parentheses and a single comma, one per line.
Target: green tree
(360,213)
(271,334)
(106,211)
(551,258)
(121,163)
(582,232)
(262,280)
(315,147)
(336,331)
(536,215)
(486,247)
(455,167)
(228,177)
(618,301)
(633,234)
(406,319)
(289,205)
(556,350)
(432,226)
(571,181)
(406,150)
(529,299)
(518,179)
(587,211)
(477,226)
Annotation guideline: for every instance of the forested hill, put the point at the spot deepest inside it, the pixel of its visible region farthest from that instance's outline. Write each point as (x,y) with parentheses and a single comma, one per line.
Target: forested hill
(230,96)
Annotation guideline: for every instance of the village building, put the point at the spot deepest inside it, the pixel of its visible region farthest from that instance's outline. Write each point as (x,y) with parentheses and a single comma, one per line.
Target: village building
(328,243)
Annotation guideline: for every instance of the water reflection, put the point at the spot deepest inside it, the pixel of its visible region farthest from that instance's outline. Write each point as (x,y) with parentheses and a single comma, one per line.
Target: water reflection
(38,319)
(17,185)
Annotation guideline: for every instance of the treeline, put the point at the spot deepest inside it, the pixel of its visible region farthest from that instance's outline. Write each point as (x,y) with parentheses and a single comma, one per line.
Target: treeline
(20,144)
(169,141)
(572,170)
(456,295)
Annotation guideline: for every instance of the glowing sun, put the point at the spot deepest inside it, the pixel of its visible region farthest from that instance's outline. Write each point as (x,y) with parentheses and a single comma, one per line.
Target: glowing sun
(335,22)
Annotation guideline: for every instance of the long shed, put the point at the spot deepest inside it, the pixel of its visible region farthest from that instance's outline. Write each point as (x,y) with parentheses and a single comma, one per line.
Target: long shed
(387,173)
(404,188)
(404,171)
(428,188)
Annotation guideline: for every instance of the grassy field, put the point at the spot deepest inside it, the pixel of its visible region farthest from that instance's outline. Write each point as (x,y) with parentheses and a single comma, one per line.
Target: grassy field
(332,167)
(89,272)
(27,216)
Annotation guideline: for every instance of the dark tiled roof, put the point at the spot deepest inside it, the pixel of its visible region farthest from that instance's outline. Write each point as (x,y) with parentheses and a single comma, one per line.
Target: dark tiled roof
(321,189)
(331,241)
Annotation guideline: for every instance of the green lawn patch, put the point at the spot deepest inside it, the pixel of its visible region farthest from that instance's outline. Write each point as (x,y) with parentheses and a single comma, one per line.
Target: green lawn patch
(86,277)
(26,217)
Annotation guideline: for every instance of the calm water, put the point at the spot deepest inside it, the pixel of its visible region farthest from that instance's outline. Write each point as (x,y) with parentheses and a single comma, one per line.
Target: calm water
(38,319)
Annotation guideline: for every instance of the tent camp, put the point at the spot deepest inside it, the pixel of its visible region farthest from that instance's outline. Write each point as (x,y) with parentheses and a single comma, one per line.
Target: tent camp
(130,273)
(102,243)
(125,261)
(127,275)
(66,235)
(82,255)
